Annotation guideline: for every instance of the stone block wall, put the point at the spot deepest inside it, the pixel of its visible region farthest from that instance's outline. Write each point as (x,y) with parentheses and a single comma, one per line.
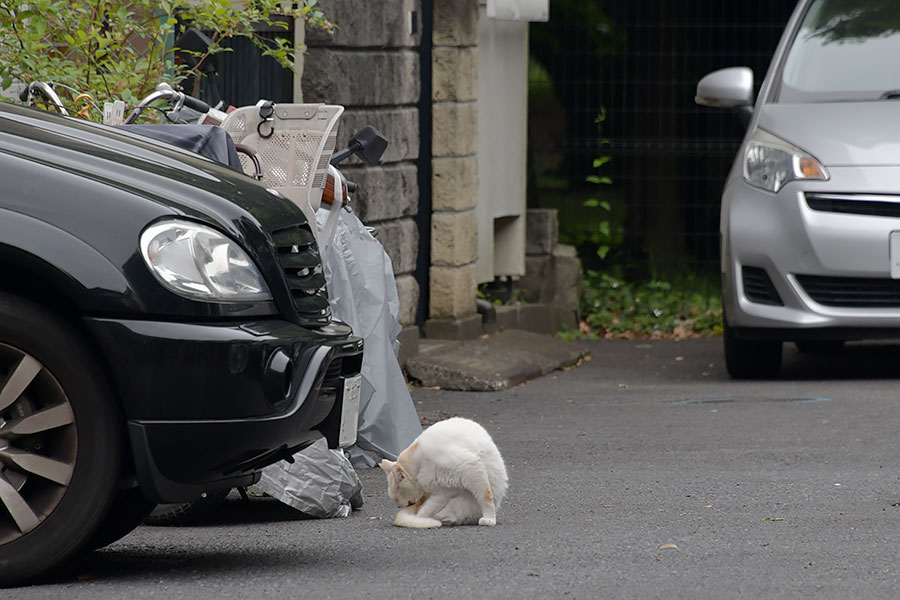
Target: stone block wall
(370,65)
(552,270)
(454,226)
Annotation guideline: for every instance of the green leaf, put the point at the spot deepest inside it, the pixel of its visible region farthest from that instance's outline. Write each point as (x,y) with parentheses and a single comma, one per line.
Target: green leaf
(604,228)
(599,162)
(592,203)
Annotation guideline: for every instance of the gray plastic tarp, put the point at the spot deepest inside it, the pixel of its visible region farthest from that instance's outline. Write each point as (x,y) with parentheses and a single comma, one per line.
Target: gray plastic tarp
(320,482)
(363,294)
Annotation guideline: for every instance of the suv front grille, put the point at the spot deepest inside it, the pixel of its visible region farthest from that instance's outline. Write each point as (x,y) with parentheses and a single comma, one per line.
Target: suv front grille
(302,268)
(759,288)
(876,205)
(852,292)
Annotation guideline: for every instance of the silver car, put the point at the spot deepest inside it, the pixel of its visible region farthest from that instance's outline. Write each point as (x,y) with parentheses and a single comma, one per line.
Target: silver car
(810,220)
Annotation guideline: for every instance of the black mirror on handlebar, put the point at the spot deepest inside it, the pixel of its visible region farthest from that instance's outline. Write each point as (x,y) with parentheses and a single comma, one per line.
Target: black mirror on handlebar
(368,144)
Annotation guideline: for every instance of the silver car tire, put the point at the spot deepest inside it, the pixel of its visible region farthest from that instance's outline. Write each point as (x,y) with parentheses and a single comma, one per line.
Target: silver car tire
(751,359)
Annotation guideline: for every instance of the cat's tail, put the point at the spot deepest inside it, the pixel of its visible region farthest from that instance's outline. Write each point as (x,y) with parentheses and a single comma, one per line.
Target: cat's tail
(407,518)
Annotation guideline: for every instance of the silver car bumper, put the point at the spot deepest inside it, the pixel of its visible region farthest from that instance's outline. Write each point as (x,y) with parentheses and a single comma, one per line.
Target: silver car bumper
(828,262)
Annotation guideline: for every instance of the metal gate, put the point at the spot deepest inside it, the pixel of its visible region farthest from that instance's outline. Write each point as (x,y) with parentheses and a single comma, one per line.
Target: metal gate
(245,76)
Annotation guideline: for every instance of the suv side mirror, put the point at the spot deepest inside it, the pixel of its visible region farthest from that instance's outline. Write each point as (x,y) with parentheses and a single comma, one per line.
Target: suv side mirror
(368,143)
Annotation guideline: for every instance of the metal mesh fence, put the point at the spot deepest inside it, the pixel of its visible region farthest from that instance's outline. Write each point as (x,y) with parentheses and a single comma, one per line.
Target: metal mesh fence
(246,76)
(638,61)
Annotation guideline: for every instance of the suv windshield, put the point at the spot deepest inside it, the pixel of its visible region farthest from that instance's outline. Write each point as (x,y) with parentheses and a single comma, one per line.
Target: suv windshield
(845,50)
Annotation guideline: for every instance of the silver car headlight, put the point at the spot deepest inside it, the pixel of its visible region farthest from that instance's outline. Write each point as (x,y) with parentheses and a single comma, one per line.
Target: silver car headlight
(770,162)
(200,263)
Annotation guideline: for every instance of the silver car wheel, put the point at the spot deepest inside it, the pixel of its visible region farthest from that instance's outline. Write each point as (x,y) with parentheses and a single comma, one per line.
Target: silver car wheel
(38,443)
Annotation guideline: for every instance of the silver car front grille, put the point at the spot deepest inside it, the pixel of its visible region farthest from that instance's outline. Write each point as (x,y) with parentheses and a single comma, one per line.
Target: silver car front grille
(852,292)
(877,205)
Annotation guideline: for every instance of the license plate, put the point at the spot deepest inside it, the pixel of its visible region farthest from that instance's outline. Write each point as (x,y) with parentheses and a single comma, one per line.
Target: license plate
(894,253)
(350,411)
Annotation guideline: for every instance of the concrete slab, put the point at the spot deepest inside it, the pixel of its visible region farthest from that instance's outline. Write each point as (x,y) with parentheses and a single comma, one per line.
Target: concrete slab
(494,362)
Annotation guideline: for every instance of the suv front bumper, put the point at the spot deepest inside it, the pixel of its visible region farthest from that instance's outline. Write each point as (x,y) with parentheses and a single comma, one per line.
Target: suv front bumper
(209,405)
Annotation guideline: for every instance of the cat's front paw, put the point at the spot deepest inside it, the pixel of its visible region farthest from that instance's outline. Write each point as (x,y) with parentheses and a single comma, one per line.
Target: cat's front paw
(487,521)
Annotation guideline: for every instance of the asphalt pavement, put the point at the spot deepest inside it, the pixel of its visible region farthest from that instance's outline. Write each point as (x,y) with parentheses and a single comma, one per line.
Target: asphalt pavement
(642,473)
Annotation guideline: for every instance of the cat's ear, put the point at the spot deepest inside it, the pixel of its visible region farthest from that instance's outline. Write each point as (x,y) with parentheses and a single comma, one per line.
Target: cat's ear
(399,472)
(386,465)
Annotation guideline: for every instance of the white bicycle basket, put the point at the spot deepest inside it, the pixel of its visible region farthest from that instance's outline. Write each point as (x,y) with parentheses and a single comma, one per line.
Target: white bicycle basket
(294,143)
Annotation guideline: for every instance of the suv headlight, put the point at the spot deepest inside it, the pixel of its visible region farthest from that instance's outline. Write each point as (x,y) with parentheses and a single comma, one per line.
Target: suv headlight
(770,162)
(200,263)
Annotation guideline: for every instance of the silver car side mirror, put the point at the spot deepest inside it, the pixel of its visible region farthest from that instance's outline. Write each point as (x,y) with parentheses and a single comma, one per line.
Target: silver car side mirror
(726,88)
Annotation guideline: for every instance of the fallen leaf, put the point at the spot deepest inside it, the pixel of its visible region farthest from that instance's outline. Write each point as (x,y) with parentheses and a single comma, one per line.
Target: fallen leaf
(374,518)
(774,519)
(623,385)
(606,505)
(708,506)
(668,547)
(679,358)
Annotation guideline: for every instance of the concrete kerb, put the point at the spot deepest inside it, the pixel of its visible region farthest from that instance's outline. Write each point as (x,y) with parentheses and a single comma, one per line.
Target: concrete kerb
(492,362)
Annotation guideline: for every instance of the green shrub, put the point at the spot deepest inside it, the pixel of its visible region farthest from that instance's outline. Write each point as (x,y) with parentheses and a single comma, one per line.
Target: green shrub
(121,49)
(611,307)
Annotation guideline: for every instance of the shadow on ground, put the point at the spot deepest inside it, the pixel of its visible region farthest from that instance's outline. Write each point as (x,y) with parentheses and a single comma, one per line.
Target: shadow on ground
(237,511)
(864,360)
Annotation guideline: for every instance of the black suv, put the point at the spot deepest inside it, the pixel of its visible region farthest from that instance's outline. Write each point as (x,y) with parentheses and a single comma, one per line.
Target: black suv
(164,332)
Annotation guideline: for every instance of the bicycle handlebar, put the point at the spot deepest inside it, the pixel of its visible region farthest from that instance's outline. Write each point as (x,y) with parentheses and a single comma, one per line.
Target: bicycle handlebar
(165,92)
(196,104)
(46,90)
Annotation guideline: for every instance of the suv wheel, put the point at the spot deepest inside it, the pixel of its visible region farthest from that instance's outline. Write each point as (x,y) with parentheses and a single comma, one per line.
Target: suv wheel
(60,441)
(126,513)
(187,513)
(751,359)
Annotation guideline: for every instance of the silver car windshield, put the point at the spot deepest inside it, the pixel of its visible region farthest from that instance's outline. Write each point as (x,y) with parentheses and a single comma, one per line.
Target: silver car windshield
(845,50)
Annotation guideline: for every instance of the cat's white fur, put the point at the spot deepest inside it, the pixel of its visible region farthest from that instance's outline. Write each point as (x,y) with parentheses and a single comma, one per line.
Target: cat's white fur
(452,474)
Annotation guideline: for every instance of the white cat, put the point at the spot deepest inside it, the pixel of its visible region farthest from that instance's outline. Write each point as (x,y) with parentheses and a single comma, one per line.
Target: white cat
(452,474)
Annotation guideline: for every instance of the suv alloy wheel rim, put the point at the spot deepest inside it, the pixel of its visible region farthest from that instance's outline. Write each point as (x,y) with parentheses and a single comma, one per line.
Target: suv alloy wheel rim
(38,443)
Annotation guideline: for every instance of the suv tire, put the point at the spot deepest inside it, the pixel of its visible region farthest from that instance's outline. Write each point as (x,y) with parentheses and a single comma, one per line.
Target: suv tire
(127,512)
(187,513)
(60,441)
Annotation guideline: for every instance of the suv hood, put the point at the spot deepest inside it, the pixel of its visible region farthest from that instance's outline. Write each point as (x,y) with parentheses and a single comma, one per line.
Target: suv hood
(175,180)
(839,133)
